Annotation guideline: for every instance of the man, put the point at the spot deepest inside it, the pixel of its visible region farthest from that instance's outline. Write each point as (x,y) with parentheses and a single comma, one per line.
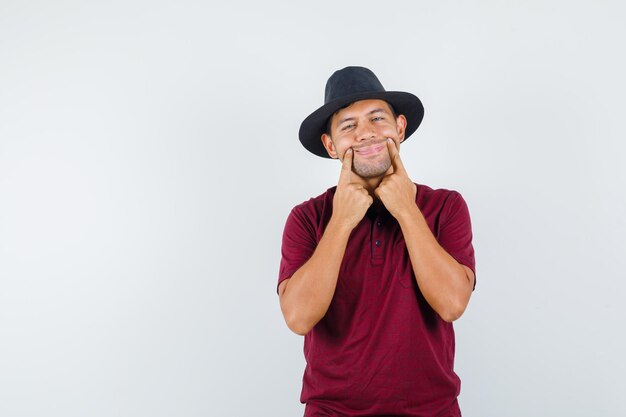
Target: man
(374,271)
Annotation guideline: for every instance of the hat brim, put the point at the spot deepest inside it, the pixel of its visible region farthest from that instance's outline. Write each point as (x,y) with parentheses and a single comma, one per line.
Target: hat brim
(314,125)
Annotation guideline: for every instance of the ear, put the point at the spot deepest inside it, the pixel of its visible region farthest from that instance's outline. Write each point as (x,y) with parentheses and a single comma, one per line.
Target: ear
(329,145)
(401,126)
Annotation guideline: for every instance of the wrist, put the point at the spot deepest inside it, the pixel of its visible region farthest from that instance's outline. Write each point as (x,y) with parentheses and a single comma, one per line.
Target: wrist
(341,227)
(410,214)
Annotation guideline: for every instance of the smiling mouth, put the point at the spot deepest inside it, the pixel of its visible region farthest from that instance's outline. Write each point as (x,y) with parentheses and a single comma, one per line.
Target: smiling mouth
(371,149)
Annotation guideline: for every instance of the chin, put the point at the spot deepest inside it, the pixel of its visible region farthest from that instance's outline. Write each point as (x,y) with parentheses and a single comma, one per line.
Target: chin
(372,171)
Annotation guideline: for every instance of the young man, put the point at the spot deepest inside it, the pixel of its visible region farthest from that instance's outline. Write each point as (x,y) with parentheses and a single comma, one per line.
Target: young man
(374,271)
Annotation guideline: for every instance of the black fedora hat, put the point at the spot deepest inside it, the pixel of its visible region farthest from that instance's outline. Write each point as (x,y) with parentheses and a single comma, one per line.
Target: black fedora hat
(352,84)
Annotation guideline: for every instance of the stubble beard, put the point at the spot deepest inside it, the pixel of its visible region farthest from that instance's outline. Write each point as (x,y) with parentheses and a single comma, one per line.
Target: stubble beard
(373,169)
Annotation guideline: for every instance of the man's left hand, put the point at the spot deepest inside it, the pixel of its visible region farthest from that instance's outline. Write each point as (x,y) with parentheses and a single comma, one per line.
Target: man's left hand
(396,190)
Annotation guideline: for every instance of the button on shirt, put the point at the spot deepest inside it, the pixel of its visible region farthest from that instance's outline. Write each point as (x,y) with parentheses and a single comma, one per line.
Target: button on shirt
(380,349)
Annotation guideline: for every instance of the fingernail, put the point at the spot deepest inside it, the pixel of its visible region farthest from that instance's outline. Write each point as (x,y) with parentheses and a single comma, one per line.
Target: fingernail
(349,150)
(390,140)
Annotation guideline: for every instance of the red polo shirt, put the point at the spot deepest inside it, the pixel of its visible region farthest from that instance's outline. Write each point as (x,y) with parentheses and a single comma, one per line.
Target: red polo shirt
(380,350)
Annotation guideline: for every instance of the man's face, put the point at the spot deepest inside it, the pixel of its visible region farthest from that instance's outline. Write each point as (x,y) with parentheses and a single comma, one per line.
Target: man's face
(365,126)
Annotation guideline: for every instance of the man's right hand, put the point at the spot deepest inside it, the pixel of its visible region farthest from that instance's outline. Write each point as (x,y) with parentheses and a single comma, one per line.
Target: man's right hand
(351,200)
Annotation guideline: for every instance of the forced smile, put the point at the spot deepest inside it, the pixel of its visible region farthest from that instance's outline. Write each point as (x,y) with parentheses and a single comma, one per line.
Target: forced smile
(372,149)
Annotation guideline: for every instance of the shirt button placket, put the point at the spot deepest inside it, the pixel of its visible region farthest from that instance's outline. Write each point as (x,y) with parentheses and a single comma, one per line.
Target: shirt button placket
(377,253)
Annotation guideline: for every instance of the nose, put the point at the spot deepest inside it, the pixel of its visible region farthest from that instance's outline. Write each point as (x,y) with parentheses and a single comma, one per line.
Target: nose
(365,131)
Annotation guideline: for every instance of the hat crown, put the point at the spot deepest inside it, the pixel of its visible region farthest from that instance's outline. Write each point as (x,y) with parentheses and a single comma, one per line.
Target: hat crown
(349,81)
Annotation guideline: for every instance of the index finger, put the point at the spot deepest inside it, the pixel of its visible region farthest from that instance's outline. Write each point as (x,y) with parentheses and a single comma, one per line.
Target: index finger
(394,155)
(346,167)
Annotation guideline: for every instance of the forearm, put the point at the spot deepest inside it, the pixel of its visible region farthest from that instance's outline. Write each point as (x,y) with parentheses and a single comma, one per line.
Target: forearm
(308,293)
(441,279)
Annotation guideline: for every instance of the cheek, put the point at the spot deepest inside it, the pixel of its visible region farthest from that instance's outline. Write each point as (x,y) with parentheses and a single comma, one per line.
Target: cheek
(341,146)
(394,133)
(387,128)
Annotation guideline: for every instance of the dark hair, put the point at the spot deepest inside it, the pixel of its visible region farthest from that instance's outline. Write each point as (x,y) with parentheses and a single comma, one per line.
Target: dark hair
(330,119)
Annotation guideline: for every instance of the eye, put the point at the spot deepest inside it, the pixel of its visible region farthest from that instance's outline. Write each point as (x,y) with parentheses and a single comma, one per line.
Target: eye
(377,118)
(346,127)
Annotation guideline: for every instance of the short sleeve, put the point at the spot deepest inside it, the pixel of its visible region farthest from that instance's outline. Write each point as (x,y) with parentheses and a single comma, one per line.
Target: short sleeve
(455,234)
(299,243)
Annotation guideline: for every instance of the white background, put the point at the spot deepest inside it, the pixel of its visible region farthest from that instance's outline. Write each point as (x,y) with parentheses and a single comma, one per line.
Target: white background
(149,158)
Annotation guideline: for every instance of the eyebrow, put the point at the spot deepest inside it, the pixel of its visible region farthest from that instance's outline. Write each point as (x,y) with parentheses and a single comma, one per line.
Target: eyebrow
(346,119)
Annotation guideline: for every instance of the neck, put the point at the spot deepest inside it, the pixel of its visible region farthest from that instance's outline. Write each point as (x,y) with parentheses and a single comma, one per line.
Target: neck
(370,184)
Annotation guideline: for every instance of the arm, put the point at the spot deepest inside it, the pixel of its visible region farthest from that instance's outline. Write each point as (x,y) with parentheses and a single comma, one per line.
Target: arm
(446,284)
(306,295)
